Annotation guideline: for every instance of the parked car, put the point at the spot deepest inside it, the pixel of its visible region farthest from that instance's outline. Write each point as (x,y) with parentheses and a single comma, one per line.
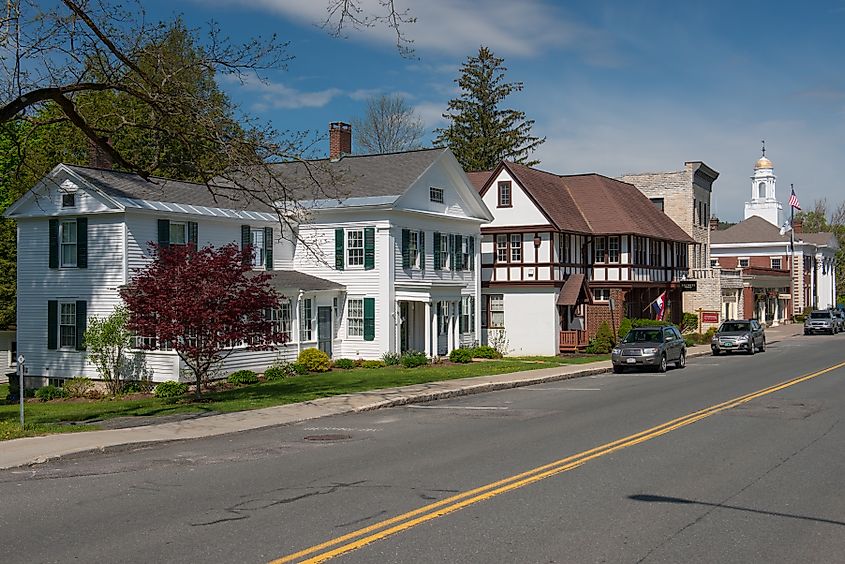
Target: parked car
(821,321)
(650,347)
(739,335)
(839,316)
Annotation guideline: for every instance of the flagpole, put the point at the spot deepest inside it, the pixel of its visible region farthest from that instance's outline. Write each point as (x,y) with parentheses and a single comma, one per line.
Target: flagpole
(792,300)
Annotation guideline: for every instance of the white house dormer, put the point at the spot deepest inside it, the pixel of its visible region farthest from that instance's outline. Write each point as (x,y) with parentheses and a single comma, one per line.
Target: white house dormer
(764,201)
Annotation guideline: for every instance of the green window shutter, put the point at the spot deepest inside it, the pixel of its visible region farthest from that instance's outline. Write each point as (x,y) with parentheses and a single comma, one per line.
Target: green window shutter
(338,248)
(472,253)
(81,323)
(437,265)
(406,252)
(472,313)
(193,234)
(268,248)
(82,242)
(164,233)
(369,248)
(52,324)
(462,328)
(54,243)
(451,252)
(459,255)
(422,250)
(369,319)
(246,243)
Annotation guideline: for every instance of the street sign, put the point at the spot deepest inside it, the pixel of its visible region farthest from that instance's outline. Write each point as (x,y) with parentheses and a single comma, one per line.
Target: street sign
(710,317)
(688,285)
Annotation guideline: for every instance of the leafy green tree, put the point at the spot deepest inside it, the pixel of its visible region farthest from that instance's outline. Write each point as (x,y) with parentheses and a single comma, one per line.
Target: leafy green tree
(481,133)
(106,343)
(819,220)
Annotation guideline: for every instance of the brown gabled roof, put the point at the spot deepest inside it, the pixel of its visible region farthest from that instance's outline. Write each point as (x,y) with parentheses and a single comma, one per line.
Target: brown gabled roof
(594,204)
(573,289)
(479,178)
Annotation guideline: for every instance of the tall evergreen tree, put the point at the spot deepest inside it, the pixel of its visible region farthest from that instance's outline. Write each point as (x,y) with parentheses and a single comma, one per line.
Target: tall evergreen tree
(480,132)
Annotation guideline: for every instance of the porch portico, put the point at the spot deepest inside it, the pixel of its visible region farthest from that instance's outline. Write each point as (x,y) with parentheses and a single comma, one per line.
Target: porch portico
(427,319)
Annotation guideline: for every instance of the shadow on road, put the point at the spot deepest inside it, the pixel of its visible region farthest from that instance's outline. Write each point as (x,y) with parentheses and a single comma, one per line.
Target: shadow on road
(681,501)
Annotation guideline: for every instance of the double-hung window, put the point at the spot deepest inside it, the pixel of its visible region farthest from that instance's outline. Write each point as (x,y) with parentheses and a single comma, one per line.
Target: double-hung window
(776,263)
(516,247)
(613,249)
(257,247)
(501,248)
(355,317)
(414,248)
(465,256)
(435,194)
(444,251)
(281,319)
(355,247)
(744,262)
(467,322)
(67,325)
(68,237)
(601,249)
(505,195)
(601,294)
(495,311)
(306,320)
(178,233)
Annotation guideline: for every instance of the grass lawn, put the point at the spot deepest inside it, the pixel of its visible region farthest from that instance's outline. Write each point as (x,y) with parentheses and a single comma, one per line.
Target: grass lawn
(45,418)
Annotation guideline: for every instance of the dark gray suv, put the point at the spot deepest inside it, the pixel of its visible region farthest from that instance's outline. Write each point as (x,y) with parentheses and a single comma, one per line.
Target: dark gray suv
(650,347)
(821,321)
(739,335)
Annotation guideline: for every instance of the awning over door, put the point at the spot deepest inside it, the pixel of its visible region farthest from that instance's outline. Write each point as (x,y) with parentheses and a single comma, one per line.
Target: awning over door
(574,290)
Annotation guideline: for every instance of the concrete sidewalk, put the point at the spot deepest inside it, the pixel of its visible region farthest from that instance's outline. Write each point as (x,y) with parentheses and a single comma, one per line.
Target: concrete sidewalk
(34,450)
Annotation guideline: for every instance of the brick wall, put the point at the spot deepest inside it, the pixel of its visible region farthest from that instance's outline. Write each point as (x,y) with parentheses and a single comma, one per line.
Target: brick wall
(600,312)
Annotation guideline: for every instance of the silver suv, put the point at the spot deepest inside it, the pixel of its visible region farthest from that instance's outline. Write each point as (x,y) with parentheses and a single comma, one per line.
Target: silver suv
(821,321)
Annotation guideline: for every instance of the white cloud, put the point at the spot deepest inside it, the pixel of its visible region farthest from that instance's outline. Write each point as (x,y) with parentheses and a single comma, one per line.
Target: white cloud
(275,95)
(458,27)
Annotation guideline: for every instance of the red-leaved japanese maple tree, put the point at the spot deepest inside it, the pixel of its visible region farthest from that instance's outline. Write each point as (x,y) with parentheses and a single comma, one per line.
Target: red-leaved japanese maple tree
(203,303)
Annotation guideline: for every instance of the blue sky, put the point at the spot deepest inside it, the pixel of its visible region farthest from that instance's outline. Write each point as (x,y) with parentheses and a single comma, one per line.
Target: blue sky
(615,87)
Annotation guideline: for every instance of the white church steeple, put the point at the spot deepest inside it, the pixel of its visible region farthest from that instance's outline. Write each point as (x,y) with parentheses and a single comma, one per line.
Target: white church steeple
(764,201)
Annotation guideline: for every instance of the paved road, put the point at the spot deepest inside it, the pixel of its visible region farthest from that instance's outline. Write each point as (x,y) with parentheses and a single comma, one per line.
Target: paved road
(757,481)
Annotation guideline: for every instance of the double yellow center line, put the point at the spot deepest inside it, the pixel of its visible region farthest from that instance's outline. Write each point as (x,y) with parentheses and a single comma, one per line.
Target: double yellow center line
(357,539)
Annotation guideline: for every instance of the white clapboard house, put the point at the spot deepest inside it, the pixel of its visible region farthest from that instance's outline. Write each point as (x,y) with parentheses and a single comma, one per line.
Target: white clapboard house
(391,266)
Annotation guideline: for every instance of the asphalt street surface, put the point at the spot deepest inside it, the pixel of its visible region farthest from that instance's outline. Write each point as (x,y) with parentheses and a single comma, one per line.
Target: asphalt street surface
(608,468)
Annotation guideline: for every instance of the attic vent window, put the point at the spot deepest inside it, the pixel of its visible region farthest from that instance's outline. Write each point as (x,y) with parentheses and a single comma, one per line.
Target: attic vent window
(436,194)
(69,200)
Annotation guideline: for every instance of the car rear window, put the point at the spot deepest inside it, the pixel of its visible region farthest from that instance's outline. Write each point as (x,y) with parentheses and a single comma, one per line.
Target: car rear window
(820,315)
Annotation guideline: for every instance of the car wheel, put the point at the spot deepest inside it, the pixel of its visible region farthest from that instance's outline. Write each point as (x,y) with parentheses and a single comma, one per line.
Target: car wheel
(662,366)
(751,348)
(618,369)
(716,352)
(682,360)
(763,345)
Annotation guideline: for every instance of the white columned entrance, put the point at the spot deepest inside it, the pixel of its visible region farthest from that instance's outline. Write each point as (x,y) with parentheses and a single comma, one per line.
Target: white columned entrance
(429,347)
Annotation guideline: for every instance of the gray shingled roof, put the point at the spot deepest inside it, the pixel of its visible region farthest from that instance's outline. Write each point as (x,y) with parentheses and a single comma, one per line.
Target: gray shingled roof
(757,230)
(119,184)
(360,176)
(283,280)
(351,176)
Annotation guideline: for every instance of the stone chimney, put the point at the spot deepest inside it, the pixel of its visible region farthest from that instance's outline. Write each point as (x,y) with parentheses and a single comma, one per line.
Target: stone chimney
(340,139)
(97,157)
(798,226)
(714,223)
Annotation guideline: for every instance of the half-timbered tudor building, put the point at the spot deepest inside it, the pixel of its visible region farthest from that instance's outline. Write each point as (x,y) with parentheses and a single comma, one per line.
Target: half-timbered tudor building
(566,253)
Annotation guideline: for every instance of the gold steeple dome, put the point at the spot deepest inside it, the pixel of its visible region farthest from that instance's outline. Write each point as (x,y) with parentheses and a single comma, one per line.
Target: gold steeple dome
(763,162)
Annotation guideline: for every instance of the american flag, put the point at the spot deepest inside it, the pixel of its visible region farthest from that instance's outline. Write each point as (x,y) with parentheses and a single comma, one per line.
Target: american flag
(793,201)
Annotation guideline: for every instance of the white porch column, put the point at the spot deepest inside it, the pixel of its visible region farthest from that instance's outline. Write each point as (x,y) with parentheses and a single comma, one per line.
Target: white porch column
(427,329)
(762,312)
(435,331)
(776,317)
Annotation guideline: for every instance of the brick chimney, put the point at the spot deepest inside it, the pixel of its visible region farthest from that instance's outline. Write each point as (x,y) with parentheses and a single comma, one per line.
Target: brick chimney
(340,139)
(97,157)
(714,223)
(798,226)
